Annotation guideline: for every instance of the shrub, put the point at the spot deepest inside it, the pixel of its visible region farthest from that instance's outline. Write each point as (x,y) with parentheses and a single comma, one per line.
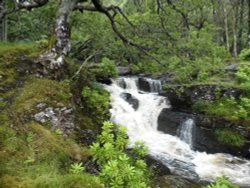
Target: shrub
(230,137)
(229,108)
(109,151)
(243,74)
(245,54)
(96,102)
(107,68)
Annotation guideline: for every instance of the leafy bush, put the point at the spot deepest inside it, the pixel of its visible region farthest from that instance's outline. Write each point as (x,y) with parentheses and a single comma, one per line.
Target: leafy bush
(229,108)
(96,102)
(107,68)
(243,74)
(245,54)
(222,182)
(119,169)
(230,137)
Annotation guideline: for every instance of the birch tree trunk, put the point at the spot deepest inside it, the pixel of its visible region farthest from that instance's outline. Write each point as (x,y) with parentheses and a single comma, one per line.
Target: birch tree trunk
(55,58)
(226,28)
(235,28)
(240,25)
(3,22)
(248,40)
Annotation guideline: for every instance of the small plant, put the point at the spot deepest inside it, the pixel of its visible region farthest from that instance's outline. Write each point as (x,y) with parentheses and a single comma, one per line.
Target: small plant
(29,160)
(76,168)
(222,182)
(30,137)
(58,132)
(110,153)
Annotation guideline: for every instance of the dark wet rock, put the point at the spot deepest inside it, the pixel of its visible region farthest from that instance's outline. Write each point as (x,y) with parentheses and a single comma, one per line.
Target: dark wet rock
(183,98)
(204,138)
(182,168)
(149,85)
(169,121)
(86,136)
(122,71)
(104,80)
(131,100)
(157,166)
(143,84)
(92,167)
(121,83)
(172,181)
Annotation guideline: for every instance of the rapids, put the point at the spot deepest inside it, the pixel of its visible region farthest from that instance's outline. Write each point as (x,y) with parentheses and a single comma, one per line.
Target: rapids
(175,152)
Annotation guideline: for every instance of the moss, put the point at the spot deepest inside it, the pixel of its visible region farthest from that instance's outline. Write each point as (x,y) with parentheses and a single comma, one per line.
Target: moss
(33,156)
(230,137)
(227,108)
(35,91)
(10,50)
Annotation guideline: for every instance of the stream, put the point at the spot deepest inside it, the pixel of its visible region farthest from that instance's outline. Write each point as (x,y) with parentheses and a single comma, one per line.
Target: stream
(174,151)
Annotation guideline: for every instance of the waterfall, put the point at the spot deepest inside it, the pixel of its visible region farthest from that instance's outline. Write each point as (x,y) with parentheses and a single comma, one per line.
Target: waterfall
(174,152)
(186,132)
(155,85)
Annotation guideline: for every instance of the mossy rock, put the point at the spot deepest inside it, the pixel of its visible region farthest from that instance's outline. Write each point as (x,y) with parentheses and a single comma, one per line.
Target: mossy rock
(35,91)
(172,181)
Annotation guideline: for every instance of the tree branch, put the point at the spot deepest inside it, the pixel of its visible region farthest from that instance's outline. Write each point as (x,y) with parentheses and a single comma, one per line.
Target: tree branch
(23,4)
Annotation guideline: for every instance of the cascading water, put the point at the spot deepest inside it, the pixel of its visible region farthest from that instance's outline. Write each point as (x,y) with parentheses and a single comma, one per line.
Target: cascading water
(186,132)
(171,150)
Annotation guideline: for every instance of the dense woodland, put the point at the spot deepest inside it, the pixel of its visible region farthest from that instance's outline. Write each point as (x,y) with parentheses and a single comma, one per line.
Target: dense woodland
(53,53)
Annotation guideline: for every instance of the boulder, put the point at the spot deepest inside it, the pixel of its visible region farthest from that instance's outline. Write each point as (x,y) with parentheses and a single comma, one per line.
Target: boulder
(172,181)
(157,166)
(130,99)
(122,71)
(60,118)
(183,98)
(169,120)
(204,138)
(149,85)
(231,68)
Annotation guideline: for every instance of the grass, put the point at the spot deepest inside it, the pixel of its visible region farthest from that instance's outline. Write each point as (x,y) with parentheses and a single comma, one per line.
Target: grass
(230,137)
(33,156)
(35,91)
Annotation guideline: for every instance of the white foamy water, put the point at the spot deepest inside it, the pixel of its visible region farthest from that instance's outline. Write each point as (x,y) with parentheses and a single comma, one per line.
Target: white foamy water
(175,152)
(186,132)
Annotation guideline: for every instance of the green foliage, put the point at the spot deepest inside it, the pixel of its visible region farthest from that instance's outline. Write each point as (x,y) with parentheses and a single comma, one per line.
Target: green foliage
(222,182)
(58,132)
(229,108)
(32,25)
(230,137)
(35,91)
(32,156)
(96,102)
(109,151)
(76,168)
(107,68)
(243,74)
(245,54)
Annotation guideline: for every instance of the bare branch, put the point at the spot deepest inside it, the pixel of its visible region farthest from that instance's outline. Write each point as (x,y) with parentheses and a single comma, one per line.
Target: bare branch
(82,65)
(30,5)
(23,4)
